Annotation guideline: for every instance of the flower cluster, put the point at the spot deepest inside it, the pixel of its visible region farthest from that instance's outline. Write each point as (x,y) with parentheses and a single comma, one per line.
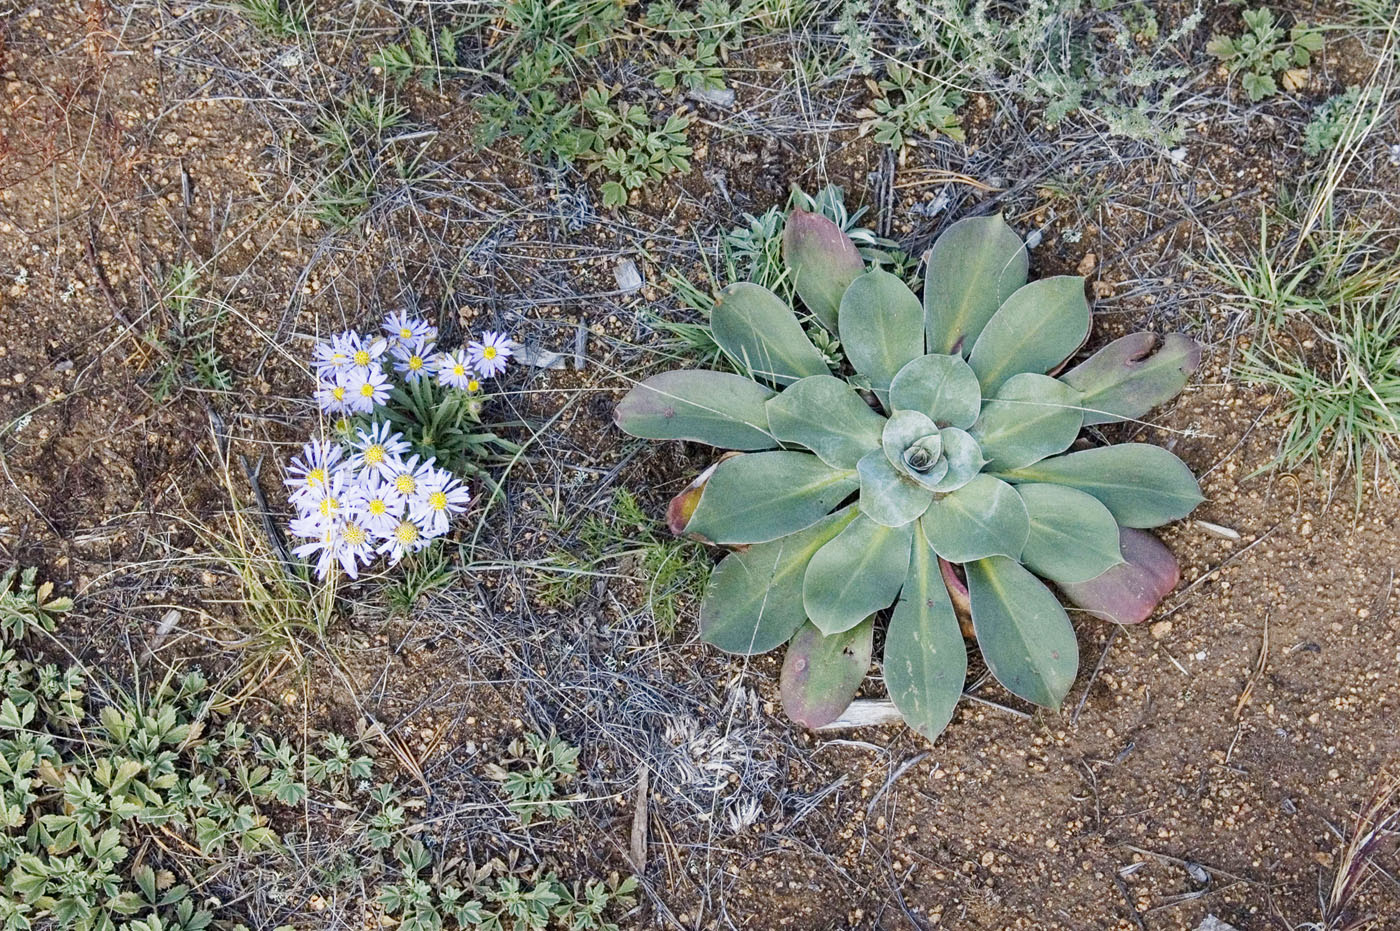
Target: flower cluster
(372,495)
(350,367)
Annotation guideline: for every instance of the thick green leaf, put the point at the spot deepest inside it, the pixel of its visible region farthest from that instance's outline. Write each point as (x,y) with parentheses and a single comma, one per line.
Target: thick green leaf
(1073,536)
(856,574)
(827,416)
(1142,485)
(881,326)
(943,388)
(1037,328)
(971,270)
(761,333)
(753,601)
(1031,417)
(1130,376)
(822,261)
(821,674)
(888,496)
(1130,592)
(964,458)
(762,496)
(983,518)
(717,408)
(925,658)
(1023,632)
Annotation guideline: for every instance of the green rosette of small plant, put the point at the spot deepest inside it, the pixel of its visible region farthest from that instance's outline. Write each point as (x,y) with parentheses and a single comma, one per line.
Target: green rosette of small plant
(936,479)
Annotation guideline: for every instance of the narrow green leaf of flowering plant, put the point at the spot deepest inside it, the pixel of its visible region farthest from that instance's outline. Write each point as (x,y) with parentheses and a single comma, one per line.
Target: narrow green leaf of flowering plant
(822,261)
(1031,417)
(1130,376)
(856,574)
(888,496)
(881,327)
(944,388)
(1038,327)
(827,416)
(761,333)
(753,601)
(964,457)
(983,518)
(1130,592)
(763,496)
(717,408)
(1073,536)
(971,270)
(1023,631)
(1141,485)
(925,658)
(821,674)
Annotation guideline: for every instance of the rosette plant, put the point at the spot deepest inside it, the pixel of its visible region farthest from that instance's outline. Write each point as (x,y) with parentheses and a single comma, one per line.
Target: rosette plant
(941,474)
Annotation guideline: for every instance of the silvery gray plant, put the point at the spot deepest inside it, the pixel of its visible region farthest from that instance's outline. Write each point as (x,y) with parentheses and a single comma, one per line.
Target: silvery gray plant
(936,480)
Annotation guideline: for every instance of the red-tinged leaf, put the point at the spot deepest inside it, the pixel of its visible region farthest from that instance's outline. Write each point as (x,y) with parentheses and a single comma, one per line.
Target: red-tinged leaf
(1129,593)
(821,674)
(823,261)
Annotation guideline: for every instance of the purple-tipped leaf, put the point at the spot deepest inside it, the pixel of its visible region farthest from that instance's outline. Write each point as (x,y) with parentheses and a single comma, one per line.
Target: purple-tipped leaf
(823,261)
(1130,592)
(821,674)
(1130,376)
(682,506)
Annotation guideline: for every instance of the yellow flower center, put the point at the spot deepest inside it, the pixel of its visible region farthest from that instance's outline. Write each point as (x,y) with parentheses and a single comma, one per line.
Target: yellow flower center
(405,333)
(355,535)
(362,357)
(367,390)
(316,477)
(415,363)
(377,507)
(473,385)
(329,506)
(406,533)
(338,392)
(437,500)
(459,370)
(374,455)
(406,484)
(488,353)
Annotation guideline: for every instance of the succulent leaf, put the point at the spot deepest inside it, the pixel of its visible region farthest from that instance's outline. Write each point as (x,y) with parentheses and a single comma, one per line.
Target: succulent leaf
(944,388)
(881,327)
(1130,376)
(903,430)
(823,262)
(753,601)
(827,416)
(888,496)
(1031,417)
(856,574)
(971,270)
(964,457)
(761,333)
(925,660)
(1141,485)
(718,408)
(1130,592)
(1023,632)
(762,496)
(1038,327)
(1073,536)
(983,518)
(821,674)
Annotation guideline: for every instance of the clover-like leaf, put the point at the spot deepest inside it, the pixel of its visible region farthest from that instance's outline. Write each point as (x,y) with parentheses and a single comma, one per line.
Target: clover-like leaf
(1142,485)
(762,496)
(827,416)
(1130,376)
(971,270)
(1037,328)
(1031,417)
(821,673)
(761,333)
(856,574)
(718,408)
(944,388)
(983,518)
(1023,632)
(1073,536)
(925,662)
(881,326)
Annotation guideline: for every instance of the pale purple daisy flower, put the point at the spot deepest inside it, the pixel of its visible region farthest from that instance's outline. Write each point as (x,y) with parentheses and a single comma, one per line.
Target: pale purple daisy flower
(440,495)
(377,507)
(333,355)
(406,537)
(366,388)
(332,396)
(489,356)
(404,482)
(311,473)
(403,327)
(454,369)
(414,359)
(323,547)
(377,450)
(353,546)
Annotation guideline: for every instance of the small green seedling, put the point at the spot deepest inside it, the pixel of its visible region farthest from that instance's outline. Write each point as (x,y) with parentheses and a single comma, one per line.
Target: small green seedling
(1265,51)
